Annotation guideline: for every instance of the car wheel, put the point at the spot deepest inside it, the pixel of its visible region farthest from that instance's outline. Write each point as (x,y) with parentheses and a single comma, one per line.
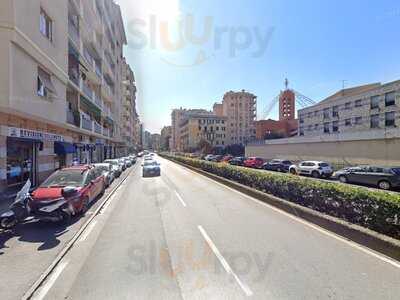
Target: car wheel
(293,171)
(279,170)
(384,185)
(343,179)
(315,174)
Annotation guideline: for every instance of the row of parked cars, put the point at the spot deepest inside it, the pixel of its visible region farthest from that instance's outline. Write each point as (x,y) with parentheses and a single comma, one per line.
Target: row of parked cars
(70,191)
(385,178)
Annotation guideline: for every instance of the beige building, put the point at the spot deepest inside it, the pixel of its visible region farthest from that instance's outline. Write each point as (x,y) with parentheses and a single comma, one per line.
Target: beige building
(177,116)
(373,107)
(166,136)
(241,110)
(61,89)
(206,127)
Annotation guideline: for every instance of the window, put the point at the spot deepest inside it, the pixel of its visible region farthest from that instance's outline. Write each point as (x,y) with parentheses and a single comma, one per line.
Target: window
(309,115)
(316,127)
(390,119)
(326,128)
(46,25)
(347,105)
(326,113)
(375,121)
(358,103)
(316,113)
(390,98)
(310,128)
(44,84)
(335,111)
(375,102)
(348,122)
(358,120)
(335,126)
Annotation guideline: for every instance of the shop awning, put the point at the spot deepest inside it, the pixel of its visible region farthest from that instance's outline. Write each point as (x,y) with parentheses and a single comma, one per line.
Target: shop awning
(61,148)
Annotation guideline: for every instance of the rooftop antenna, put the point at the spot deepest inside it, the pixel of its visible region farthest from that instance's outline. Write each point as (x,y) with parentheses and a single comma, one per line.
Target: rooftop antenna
(343,86)
(286,83)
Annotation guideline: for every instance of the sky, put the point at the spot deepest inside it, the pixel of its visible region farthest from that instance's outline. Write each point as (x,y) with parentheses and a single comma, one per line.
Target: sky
(188,53)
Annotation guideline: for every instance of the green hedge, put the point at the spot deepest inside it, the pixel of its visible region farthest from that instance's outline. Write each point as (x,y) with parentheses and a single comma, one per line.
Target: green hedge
(376,210)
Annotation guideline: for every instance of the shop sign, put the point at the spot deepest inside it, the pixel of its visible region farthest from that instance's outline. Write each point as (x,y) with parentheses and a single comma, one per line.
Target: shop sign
(32,134)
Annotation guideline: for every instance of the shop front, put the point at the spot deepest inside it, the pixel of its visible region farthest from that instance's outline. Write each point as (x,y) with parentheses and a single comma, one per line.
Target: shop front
(62,151)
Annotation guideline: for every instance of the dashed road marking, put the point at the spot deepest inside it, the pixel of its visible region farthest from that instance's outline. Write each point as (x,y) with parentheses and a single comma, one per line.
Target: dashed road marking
(180,198)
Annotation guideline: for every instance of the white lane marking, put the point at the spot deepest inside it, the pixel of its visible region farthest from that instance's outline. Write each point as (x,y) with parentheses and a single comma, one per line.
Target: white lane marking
(50,281)
(350,243)
(180,198)
(87,231)
(224,263)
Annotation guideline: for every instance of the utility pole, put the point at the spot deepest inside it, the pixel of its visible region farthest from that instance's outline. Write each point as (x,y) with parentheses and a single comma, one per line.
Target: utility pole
(343,86)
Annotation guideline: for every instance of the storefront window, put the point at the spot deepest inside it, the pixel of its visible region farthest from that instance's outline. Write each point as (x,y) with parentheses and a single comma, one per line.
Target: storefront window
(20,160)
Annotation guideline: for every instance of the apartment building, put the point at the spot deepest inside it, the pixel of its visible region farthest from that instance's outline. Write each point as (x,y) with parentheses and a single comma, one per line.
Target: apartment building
(177,116)
(166,136)
(240,108)
(203,127)
(372,108)
(60,86)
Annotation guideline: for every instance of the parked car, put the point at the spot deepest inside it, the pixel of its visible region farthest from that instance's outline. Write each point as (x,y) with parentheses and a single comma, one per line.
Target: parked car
(217,158)
(385,178)
(279,165)
(122,162)
(108,173)
(209,157)
(254,162)
(116,167)
(151,168)
(128,161)
(237,161)
(226,158)
(85,183)
(316,169)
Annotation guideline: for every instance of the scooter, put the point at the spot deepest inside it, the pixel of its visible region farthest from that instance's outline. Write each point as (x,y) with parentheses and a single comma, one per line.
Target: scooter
(19,210)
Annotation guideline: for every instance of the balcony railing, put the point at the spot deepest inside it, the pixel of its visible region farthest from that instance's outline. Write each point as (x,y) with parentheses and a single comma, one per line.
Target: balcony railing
(86,123)
(98,101)
(73,118)
(98,69)
(97,128)
(87,90)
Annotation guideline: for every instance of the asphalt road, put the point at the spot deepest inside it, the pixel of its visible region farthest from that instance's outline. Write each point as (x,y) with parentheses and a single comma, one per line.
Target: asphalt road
(183,236)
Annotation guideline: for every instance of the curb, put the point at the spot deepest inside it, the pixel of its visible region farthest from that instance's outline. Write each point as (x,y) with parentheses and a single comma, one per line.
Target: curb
(363,236)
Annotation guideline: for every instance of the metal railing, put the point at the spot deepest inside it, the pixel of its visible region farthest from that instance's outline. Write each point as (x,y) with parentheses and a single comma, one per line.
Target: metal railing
(98,101)
(106,132)
(86,123)
(73,33)
(87,90)
(97,128)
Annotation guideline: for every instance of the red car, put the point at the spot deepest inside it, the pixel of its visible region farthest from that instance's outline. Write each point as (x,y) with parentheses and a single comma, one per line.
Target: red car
(226,158)
(73,188)
(254,162)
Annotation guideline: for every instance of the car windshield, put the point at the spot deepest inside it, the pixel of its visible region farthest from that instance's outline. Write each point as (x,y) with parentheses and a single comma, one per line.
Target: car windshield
(65,178)
(323,165)
(103,168)
(396,171)
(150,163)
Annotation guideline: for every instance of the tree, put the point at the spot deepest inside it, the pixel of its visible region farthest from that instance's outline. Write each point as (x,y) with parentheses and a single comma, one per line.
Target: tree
(204,146)
(235,150)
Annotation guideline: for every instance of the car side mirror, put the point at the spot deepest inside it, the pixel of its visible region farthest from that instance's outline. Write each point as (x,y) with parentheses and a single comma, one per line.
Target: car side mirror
(68,191)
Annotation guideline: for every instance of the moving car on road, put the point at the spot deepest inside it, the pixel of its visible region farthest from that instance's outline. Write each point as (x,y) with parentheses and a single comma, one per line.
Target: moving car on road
(279,165)
(384,178)
(254,162)
(151,168)
(107,171)
(115,166)
(67,192)
(316,169)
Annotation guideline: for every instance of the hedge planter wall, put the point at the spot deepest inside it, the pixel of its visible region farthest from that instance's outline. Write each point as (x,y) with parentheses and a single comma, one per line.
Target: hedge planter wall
(376,210)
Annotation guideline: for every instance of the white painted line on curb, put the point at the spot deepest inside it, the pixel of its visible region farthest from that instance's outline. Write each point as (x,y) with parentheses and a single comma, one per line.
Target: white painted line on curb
(87,231)
(224,263)
(316,227)
(180,198)
(50,282)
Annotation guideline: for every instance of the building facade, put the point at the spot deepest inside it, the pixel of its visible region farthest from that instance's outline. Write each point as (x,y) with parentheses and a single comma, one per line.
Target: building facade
(60,86)
(203,127)
(166,136)
(240,108)
(373,107)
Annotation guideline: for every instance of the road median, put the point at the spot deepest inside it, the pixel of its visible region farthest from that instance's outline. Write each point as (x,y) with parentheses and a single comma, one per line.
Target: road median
(365,236)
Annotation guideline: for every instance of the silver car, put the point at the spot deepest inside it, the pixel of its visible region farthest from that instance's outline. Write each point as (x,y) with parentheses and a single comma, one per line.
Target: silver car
(116,167)
(316,169)
(151,168)
(107,171)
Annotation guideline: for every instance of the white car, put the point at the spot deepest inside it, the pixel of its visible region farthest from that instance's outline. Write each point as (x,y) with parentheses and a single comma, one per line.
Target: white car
(316,169)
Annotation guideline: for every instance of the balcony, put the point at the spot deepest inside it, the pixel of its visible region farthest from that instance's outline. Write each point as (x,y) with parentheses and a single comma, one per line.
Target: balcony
(73,118)
(97,67)
(97,128)
(87,90)
(86,123)
(106,132)
(98,101)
